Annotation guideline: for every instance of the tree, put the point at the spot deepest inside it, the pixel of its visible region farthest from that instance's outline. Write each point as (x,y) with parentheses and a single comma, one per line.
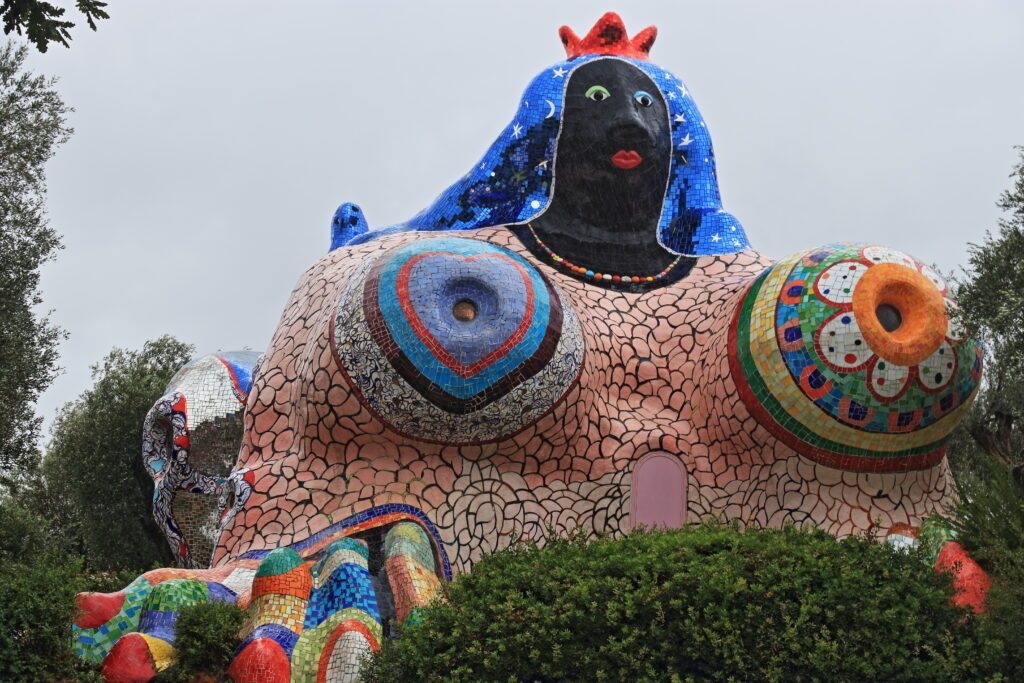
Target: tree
(992,299)
(38,582)
(43,22)
(93,476)
(32,125)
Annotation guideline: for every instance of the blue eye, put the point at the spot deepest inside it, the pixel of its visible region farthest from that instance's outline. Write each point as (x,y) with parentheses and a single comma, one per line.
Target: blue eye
(643,97)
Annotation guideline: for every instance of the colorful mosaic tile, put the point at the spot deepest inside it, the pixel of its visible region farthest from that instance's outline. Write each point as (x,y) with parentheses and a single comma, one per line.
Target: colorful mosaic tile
(262,661)
(172,595)
(550,355)
(826,375)
(190,439)
(286,610)
(342,580)
(343,621)
(94,643)
(374,517)
(315,657)
(410,569)
(278,562)
(160,649)
(347,650)
(402,345)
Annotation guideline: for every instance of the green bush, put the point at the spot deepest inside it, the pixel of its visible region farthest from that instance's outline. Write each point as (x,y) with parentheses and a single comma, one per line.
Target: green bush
(206,636)
(38,583)
(989,522)
(1003,619)
(707,603)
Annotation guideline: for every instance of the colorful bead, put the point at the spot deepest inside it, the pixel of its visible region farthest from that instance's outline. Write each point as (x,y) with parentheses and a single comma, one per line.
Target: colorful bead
(600,277)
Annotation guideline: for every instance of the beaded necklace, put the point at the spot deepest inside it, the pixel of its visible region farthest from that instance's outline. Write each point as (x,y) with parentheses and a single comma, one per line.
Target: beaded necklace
(600,277)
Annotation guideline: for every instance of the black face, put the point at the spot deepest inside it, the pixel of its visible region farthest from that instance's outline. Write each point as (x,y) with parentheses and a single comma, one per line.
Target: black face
(615,142)
(611,168)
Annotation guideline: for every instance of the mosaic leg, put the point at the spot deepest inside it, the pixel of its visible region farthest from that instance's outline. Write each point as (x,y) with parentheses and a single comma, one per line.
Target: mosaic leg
(139,656)
(411,569)
(945,555)
(342,622)
(104,617)
(277,609)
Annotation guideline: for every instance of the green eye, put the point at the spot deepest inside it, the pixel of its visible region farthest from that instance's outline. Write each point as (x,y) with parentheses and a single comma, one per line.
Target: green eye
(598,93)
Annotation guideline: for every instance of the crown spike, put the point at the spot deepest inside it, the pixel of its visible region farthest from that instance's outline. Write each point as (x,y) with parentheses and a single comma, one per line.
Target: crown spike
(645,39)
(608,37)
(570,40)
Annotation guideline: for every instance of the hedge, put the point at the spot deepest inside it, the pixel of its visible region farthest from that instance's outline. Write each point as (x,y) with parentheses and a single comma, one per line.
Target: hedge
(710,603)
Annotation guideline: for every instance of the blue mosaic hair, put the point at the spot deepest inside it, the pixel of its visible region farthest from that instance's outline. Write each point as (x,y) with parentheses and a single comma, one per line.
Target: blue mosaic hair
(513,181)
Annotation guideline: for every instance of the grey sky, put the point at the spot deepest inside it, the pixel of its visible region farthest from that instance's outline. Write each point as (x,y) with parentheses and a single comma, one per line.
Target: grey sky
(214,139)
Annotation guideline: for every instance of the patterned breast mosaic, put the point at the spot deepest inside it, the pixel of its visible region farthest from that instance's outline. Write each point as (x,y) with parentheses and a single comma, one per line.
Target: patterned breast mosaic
(854,356)
(456,340)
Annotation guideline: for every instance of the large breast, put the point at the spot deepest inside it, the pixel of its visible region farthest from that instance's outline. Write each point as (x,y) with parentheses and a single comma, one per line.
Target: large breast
(853,355)
(456,340)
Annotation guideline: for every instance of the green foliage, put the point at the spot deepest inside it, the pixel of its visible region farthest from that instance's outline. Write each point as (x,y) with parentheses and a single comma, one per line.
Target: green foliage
(206,637)
(992,298)
(1002,620)
(110,581)
(707,603)
(38,583)
(989,522)
(43,22)
(93,476)
(987,452)
(32,125)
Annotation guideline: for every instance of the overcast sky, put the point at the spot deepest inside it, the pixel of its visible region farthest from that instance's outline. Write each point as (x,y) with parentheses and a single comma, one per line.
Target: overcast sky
(213,140)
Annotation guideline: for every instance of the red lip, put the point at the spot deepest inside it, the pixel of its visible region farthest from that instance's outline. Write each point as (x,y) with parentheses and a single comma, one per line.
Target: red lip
(626,159)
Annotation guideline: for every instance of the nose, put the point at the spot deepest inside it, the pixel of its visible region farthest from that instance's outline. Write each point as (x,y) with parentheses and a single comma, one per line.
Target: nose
(630,112)
(627,127)
(626,113)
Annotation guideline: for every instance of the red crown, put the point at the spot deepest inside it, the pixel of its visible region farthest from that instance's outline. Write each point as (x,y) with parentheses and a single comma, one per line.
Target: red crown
(608,37)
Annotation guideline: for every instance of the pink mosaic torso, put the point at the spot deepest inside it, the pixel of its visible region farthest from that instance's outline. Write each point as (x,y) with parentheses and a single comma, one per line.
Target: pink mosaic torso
(655,378)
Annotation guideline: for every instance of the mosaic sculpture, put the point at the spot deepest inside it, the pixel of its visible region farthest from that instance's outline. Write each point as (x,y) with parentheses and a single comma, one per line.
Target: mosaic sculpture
(574,335)
(189,443)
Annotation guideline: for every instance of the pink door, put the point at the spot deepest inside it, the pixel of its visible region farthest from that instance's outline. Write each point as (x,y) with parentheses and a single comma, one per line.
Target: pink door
(659,491)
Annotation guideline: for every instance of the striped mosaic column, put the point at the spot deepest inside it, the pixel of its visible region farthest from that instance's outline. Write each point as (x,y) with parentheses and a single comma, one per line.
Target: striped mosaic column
(280,594)
(343,620)
(411,569)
